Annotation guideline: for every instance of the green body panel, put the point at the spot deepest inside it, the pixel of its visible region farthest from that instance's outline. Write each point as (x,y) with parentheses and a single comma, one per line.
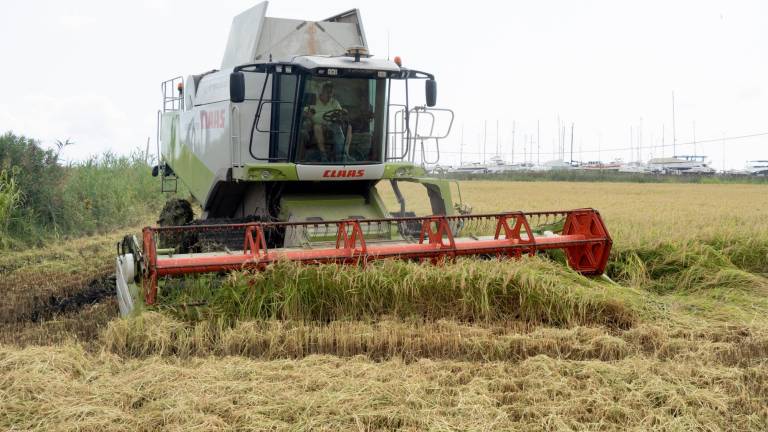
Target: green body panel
(197,177)
(267,172)
(297,207)
(402,170)
(331,207)
(437,188)
(287,171)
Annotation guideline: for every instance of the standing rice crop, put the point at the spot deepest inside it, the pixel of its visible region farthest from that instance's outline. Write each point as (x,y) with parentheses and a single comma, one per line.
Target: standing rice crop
(532,289)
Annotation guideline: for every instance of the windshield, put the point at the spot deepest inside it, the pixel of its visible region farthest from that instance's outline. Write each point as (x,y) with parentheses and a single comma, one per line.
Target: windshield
(343,120)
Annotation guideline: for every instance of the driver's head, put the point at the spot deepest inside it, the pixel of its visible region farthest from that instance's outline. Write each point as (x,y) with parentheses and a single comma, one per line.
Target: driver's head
(326,92)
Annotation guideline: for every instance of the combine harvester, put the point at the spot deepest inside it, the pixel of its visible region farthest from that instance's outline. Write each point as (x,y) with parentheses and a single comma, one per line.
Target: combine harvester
(283,148)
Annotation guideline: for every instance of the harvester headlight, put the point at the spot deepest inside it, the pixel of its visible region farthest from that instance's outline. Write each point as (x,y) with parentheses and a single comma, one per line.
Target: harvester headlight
(382,74)
(266,175)
(402,172)
(333,72)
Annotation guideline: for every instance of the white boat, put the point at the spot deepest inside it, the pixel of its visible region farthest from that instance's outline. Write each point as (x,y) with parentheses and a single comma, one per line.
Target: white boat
(554,165)
(689,164)
(757,167)
(635,168)
(601,166)
(498,165)
(470,168)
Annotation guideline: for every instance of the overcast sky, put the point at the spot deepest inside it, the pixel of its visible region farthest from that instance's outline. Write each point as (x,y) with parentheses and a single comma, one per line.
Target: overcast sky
(90,71)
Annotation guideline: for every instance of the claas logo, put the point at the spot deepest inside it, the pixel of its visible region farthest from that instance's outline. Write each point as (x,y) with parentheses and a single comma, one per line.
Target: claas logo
(343,173)
(212,119)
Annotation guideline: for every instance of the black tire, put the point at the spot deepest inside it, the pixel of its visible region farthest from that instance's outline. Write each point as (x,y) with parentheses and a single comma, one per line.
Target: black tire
(176,212)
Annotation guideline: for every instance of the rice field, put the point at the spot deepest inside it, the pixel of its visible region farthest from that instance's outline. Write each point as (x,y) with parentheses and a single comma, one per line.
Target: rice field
(678,340)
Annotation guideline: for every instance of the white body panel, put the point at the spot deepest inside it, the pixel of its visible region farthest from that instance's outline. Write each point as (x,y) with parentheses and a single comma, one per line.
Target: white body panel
(215,130)
(205,130)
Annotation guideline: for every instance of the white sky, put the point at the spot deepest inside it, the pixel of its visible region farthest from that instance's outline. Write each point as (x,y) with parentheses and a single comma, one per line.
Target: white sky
(90,70)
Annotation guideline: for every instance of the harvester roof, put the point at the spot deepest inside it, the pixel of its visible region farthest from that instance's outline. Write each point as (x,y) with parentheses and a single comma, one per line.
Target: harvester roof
(340,62)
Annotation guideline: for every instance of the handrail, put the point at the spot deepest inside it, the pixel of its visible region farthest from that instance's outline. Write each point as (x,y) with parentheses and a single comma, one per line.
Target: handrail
(404,143)
(176,102)
(236,157)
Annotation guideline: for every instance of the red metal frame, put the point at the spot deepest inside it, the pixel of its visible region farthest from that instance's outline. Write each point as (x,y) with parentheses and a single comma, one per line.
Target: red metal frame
(584,239)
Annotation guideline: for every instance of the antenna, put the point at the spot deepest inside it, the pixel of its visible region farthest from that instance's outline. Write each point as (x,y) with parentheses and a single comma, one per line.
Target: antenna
(538,144)
(513,141)
(640,141)
(723,152)
(572,143)
(461,147)
(388,48)
(599,146)
(525,148)
(674,137)
(485,134)
(559,138)
(694,139)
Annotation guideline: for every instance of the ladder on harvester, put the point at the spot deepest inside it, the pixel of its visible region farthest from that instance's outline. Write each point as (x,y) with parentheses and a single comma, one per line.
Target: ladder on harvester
(173,100)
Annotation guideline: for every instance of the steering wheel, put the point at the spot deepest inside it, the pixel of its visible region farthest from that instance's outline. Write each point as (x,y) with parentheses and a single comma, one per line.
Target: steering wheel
(336,116)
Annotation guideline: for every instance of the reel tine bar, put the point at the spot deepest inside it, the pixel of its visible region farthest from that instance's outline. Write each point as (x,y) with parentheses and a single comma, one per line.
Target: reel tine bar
(584,238)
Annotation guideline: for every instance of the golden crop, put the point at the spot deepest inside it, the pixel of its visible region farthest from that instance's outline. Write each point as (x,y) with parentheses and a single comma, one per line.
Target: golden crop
(678,340)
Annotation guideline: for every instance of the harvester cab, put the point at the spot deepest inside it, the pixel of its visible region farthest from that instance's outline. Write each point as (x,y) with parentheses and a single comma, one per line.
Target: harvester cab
(299,119)
(283,148)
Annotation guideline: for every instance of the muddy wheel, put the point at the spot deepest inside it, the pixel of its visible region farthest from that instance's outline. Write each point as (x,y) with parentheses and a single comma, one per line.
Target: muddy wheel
(176,212)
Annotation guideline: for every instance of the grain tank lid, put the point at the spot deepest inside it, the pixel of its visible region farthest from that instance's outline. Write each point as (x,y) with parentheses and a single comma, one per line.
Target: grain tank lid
(254,37)
(244,36)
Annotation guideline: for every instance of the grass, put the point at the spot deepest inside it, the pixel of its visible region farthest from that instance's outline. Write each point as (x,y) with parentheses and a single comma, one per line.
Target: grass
(678,342)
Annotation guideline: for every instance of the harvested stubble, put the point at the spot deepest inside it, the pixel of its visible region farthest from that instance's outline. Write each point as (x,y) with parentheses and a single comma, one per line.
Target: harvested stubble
(83,326)
(66,388)
(157,334)
(33,282)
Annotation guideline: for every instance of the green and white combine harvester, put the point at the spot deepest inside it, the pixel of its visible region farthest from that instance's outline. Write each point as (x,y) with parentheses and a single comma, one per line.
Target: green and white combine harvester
(283,148)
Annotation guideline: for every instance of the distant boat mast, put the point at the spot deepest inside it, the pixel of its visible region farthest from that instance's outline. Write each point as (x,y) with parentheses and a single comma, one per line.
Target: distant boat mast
(674,137)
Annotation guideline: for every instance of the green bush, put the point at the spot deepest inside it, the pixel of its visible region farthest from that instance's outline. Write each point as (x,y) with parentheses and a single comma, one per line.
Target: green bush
(44,199)
(10,201)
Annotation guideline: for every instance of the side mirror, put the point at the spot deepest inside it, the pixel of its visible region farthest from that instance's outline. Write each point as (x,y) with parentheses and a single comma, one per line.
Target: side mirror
(431,88)
(237,87)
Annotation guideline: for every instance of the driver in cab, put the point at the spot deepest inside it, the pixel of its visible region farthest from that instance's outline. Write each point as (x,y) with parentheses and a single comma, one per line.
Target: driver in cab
(324,126)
